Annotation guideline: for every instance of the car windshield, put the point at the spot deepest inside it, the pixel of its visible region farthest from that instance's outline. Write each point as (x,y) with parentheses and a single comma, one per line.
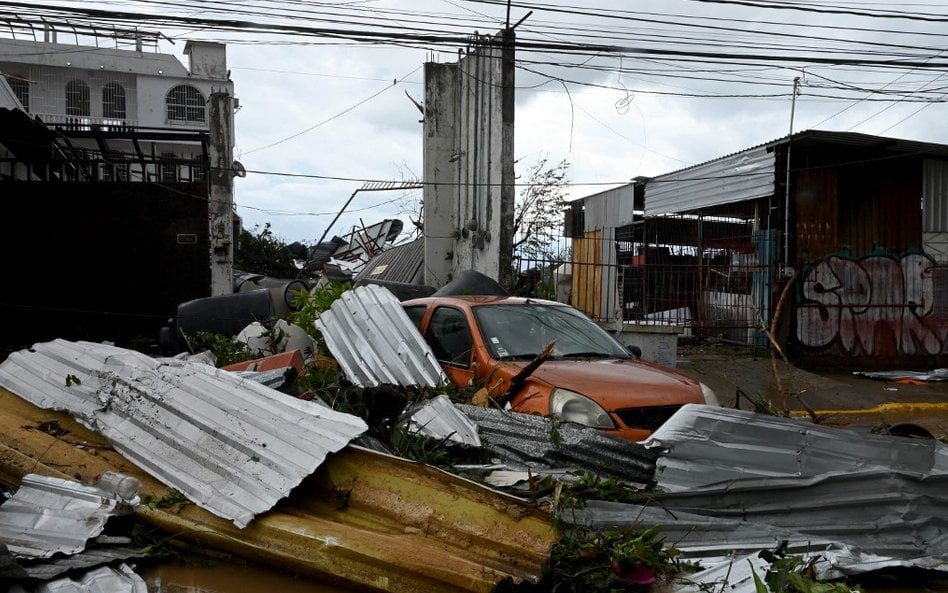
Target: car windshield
(522,331)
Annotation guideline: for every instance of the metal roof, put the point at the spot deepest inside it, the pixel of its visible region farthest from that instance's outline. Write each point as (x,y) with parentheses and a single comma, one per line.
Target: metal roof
(50,516)
(231,445)
(750,173)
(375,342)
(611,208)
(401,263)
(737,178)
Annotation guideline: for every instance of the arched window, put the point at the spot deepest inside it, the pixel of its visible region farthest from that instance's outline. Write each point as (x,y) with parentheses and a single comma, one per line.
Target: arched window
(77,98)
(113,101)
(186,103)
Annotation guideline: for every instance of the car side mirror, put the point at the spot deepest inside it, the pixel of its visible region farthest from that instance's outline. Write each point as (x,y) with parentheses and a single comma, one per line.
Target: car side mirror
(634,351)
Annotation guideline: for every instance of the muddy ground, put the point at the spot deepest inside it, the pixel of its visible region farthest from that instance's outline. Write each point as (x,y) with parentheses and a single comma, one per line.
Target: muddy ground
(838,397)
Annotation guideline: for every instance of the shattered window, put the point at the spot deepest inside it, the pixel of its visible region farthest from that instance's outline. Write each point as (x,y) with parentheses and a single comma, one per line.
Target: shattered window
(77,98)
(186,103)
(113,101)
(450,337)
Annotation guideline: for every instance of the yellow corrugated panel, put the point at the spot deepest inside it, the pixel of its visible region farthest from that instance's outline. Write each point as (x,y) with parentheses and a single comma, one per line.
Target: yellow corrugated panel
(587,273)
(363,520)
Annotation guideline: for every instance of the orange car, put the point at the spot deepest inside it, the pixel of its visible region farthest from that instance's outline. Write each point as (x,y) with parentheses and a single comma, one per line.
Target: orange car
(589,377)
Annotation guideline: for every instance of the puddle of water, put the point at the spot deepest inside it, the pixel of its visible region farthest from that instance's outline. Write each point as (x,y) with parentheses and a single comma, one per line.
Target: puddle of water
(220,578)
(180,577)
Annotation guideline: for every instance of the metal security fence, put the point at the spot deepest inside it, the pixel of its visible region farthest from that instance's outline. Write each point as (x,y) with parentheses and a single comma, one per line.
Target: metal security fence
(711,275)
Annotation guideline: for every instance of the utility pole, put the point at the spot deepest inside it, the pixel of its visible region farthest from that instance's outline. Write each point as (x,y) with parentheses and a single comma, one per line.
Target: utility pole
(786,185)
(220,206)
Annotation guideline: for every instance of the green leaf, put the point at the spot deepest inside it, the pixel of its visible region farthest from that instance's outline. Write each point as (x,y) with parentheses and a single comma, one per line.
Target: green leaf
(759,585)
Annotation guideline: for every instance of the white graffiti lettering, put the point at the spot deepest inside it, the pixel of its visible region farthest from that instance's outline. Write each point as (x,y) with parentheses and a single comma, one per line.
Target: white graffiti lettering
(871,306)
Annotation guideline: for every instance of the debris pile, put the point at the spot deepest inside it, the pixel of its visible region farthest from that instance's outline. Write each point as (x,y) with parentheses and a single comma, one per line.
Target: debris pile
(314,476)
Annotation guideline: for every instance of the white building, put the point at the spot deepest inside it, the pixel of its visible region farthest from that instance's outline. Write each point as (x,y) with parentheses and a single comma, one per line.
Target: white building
(116,162)
(116,82)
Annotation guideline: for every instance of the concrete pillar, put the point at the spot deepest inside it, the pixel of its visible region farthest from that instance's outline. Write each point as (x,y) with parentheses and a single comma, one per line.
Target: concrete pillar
(469,169)
(221,193)
(441,162)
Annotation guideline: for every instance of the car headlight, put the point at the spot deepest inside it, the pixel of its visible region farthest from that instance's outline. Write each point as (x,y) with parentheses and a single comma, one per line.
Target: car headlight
(570,406)
(710,397)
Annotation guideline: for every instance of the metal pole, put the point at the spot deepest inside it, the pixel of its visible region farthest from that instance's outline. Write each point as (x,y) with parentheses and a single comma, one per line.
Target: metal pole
(786,185)
(371,186)
(344,206)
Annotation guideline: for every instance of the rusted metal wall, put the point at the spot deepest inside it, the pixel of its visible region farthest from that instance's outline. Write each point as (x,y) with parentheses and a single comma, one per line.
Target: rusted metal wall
(873,311)
(99,261)
(866,288)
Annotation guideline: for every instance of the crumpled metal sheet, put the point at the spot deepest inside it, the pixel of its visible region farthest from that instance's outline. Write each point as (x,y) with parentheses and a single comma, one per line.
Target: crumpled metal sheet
(439,418)
(231,445)
(929,376)
(101,551)
(121,579)
(703,445)
(50,516)
(737,482)
(374,341)
(525,441)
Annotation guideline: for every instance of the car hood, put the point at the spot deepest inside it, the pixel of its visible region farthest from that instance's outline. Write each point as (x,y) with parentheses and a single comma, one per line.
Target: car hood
(617,383)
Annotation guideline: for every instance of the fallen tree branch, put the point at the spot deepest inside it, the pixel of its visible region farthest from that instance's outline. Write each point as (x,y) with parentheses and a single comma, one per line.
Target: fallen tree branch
(517,381)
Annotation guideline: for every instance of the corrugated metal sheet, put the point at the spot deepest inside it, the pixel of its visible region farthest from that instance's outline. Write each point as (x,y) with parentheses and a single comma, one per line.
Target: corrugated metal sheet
(741,482)
(375,342)
(402,263)
(742,176)
(99,552)
(736,482)
(704,446)
(50,516)
(440,419)
(121,579)
(232,446)
(524,441)
(935,196)
(364,521)
(609,209)
(867,520)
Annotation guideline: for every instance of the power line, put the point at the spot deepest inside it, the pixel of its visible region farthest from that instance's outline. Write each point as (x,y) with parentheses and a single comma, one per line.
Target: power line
(336,116)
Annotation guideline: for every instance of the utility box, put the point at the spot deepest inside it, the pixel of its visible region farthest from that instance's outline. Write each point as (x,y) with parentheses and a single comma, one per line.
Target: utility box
(659,343)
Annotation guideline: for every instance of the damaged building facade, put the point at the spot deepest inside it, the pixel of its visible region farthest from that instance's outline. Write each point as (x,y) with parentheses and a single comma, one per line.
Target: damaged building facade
(116,170)
(840,237)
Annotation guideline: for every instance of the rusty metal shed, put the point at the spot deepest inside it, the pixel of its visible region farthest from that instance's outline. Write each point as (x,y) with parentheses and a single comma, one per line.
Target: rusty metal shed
(853,226)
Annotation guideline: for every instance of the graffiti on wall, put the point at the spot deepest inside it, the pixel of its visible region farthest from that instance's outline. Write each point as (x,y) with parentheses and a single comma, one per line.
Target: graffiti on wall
(876,305)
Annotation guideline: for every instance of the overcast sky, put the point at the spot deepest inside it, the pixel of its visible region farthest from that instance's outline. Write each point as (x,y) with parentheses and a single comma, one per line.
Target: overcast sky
(620,89)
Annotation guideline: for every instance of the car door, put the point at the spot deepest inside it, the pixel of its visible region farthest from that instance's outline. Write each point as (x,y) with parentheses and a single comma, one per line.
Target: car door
(449,335)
